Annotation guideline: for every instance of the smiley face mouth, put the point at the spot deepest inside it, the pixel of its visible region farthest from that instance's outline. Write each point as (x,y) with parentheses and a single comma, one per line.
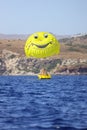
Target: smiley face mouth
(40,46)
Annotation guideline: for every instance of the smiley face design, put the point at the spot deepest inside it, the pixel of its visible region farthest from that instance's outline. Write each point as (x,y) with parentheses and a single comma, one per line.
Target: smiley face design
(41,45)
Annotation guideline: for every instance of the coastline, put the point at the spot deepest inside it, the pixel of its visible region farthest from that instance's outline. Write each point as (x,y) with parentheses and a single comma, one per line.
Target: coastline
(72,59)
(12,64)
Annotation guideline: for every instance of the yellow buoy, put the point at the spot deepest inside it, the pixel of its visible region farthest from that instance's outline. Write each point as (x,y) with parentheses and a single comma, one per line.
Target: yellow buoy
(40,76)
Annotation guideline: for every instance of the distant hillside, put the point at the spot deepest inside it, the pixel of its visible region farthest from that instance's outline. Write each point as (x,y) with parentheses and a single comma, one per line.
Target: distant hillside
(71,60)
(74,46)
(24,36)
(71,47)
(14,36)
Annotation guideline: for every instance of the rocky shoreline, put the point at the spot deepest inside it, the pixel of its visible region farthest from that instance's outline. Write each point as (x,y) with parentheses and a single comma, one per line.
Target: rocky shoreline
(12,64)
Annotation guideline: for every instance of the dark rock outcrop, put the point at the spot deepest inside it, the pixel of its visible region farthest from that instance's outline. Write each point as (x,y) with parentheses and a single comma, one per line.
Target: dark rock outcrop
(2,67)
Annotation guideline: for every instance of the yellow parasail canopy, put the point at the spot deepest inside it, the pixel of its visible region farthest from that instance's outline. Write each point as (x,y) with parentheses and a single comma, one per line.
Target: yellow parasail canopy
(41,45)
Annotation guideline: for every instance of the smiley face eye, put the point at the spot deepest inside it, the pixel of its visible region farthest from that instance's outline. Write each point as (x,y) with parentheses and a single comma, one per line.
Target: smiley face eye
(45,35)
(35,36)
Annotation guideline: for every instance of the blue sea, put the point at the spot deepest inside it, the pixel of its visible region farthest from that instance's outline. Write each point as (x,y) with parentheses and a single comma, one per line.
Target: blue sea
(27,103)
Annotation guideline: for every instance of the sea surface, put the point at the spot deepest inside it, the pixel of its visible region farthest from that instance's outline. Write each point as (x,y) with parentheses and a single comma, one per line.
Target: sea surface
(27,103)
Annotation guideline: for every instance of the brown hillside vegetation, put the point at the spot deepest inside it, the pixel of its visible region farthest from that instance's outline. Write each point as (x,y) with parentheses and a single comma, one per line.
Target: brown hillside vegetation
(12,45)
(75,47)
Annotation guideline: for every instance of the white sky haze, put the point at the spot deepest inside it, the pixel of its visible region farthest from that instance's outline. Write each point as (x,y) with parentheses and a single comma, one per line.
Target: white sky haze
(56,16)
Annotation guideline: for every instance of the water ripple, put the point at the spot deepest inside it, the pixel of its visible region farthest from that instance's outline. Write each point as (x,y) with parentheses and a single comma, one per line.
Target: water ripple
(27,103)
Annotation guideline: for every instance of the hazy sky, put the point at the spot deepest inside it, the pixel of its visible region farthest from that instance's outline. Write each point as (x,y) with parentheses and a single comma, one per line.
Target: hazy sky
(56,16)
